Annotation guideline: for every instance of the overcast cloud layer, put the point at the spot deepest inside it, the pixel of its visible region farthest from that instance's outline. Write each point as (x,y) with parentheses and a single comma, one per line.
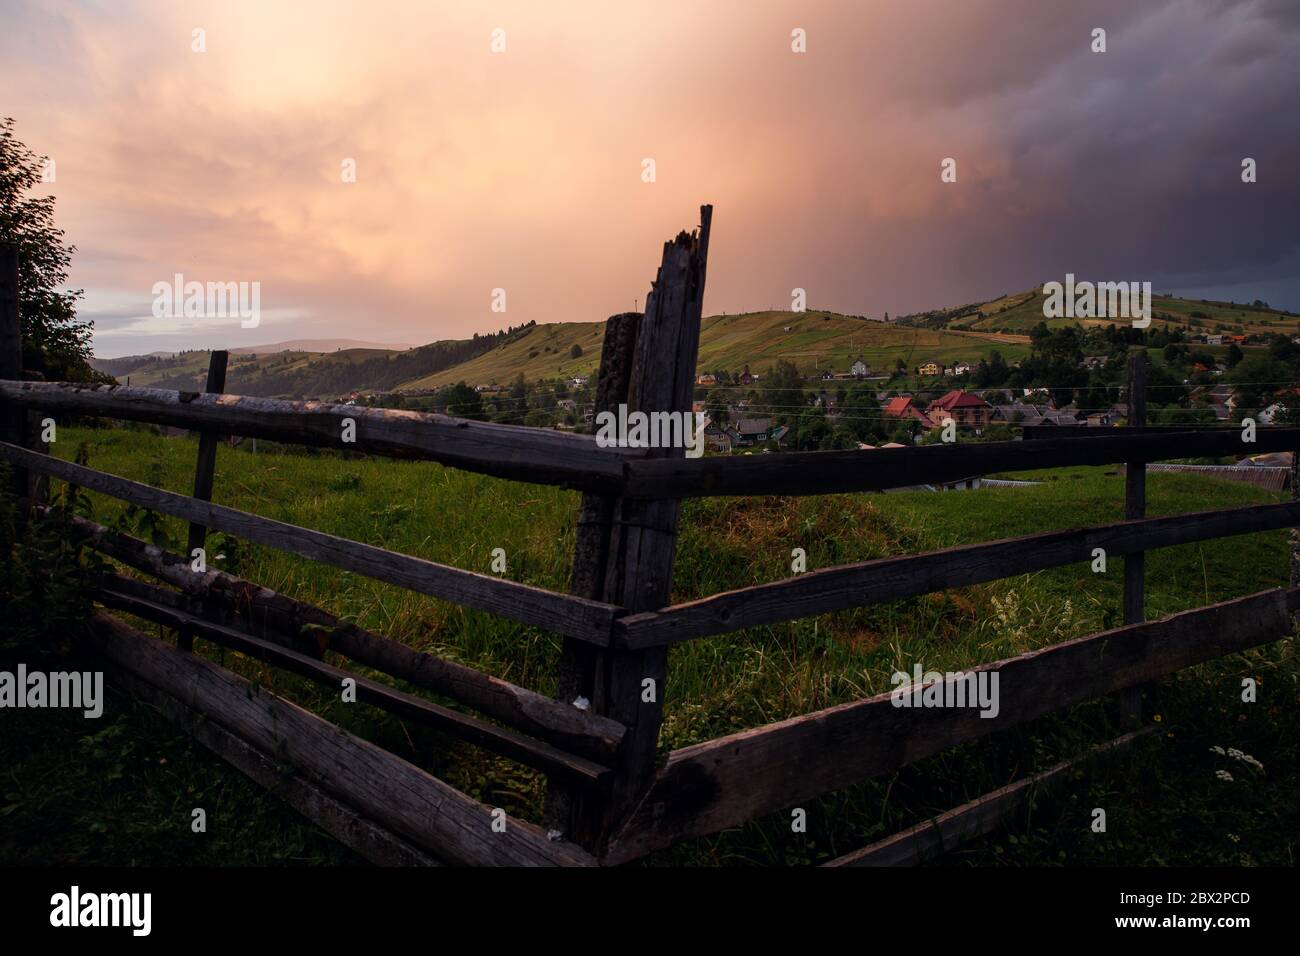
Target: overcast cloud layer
(522,170)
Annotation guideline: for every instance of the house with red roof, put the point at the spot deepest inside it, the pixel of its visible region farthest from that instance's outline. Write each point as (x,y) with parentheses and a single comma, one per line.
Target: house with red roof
(962,407)
(903,407)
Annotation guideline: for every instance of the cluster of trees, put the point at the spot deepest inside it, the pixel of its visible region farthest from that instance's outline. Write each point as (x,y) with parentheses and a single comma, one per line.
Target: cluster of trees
(55,342)
(521,403)
(1261,377)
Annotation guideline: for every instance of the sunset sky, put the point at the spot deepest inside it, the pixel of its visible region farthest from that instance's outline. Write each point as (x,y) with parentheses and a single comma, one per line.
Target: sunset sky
(522,169)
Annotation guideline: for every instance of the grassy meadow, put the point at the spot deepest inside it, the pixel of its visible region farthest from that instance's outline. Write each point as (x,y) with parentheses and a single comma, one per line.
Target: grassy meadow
(98,795)
(1023,311)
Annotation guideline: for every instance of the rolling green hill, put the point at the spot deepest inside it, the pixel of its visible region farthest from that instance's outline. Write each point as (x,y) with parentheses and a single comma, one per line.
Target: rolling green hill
(543,351)
(813,341)
(1020,312)
(302,374)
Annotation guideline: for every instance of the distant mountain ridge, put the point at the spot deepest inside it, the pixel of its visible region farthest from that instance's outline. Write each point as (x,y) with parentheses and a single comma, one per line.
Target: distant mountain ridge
(323,345)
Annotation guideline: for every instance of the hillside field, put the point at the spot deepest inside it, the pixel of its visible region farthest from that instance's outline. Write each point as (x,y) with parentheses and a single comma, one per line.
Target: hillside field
(811,340)
(106,798)
(814,340)
(1023,311)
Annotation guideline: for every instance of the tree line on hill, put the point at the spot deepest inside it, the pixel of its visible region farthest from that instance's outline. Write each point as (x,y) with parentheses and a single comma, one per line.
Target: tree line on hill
(327,375)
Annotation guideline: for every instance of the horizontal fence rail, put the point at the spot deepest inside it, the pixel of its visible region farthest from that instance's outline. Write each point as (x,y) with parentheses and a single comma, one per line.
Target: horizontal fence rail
(501,740)
(261,610)
(933,838)
(576,617)
(725,782)
(398,795)
(834,472)
(537,455)
(894,578)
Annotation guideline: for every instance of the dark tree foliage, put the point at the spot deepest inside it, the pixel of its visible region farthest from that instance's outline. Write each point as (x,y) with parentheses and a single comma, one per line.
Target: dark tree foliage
(784,397)
(55,342)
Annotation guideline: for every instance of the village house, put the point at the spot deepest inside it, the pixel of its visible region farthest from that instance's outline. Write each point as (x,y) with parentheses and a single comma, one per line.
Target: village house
(1064,416)
(1017,413)
(962,407)
(748,432)
(929,368)
(744,378)
(1221,398)
(708,378)
(860,369)
(903,407)
(717,440)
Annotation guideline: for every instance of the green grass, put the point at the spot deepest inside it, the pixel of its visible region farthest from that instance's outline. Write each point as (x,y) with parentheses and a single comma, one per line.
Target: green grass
(1163,802)
(815,340)
(1023,311)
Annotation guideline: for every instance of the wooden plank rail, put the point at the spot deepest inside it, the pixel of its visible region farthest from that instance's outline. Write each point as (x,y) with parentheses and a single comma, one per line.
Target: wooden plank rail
(949,830)
(562,613)
(501,740)
(538,455)
(710,786)
(889,579)
(833,472)
(399,796)
(287,620)
(226,597)
(376,844)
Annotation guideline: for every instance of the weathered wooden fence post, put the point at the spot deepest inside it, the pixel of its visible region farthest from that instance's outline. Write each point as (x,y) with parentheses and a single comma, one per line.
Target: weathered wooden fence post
(577,671)
(1135,506)
(1295,532)
(628,685)
(13,420)
(204,470)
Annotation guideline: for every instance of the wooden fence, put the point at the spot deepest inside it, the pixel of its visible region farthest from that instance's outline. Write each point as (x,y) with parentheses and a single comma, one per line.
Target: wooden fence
(609,800)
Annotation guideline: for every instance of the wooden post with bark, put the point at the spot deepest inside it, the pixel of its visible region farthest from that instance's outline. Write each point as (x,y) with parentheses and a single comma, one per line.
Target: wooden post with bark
(575,682)
(628,685)
(204,472)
